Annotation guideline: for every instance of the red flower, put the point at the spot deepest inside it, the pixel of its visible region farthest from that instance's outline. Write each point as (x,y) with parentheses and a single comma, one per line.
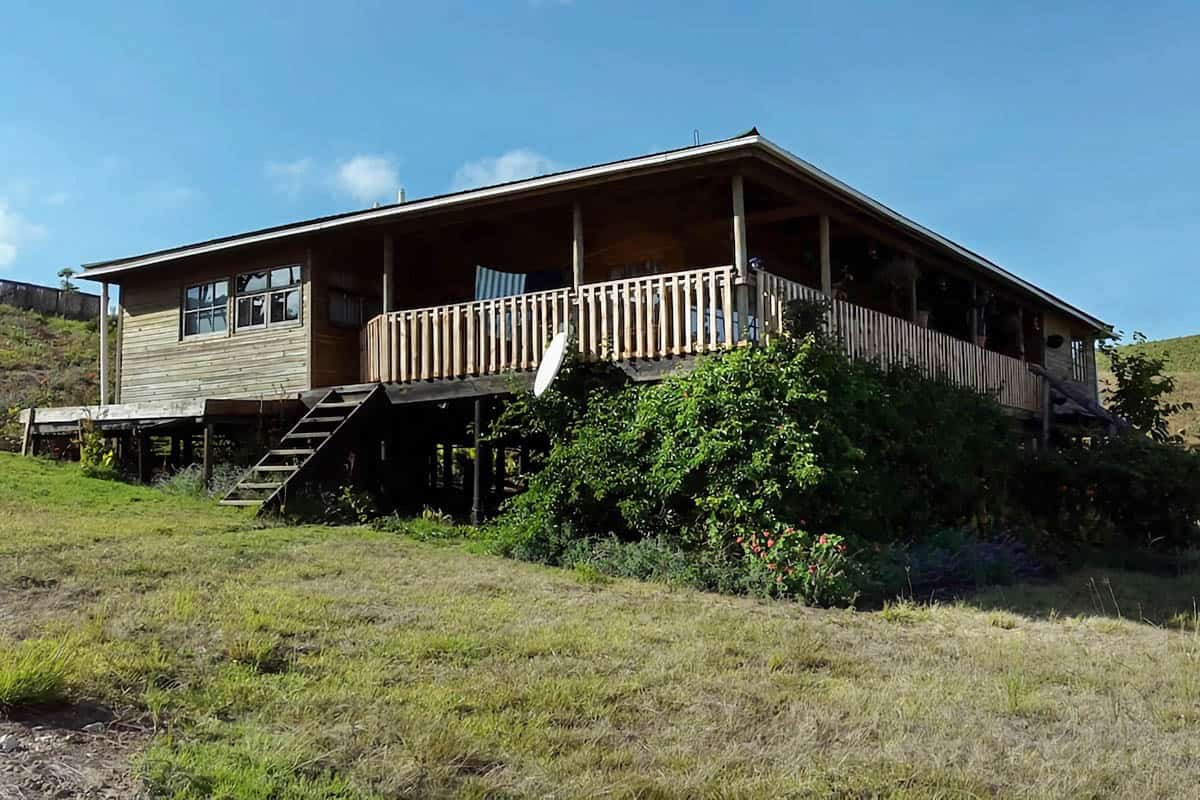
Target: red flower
(770,566)
(779,579)
(822,540)
(812,569)
(770,542)
(755,548)
(739,540)
(841,548)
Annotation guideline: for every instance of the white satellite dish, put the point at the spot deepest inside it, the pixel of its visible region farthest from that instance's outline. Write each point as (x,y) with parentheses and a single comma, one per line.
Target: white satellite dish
(551,363)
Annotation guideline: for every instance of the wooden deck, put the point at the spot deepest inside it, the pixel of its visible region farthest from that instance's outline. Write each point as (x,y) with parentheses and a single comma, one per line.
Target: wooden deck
(660,318)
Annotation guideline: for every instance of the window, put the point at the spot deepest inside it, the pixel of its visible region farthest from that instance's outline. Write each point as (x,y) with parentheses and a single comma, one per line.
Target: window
(268,297)
(345,309)
(205,308)
(1079,366)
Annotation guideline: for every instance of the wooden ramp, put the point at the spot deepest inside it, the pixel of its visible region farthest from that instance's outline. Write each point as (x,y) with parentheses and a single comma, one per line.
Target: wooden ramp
(331,422)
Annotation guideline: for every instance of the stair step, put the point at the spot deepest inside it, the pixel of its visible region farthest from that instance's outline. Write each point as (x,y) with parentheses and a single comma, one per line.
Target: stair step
(258,486)
(291,451)
(275,468)
(241,502)
(320,419)
(307,435)
(349,404)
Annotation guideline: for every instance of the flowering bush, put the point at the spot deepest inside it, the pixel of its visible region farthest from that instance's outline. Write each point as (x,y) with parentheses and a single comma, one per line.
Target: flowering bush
(792,562)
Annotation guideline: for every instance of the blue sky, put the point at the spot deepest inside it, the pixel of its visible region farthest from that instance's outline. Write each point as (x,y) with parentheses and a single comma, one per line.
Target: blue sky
(1060,142)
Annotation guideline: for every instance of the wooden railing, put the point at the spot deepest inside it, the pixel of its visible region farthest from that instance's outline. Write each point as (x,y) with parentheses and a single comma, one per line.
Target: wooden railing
(889,341)
(485,337)
(660,317)
(656,316)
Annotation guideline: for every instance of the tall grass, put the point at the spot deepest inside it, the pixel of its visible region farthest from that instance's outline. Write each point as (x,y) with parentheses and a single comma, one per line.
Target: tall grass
(33,673)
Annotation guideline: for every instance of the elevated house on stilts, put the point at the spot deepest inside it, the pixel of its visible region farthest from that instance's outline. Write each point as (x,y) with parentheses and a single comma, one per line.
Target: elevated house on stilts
(381,340)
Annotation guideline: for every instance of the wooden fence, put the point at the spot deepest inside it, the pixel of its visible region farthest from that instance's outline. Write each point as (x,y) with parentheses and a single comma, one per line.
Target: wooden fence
(50,300)
(662,316)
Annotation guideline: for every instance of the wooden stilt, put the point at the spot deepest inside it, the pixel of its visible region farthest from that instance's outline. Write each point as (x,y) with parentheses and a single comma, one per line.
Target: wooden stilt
(477,493)
(189,450)
(447,464)
(206,454)
(501,472)
(143,455)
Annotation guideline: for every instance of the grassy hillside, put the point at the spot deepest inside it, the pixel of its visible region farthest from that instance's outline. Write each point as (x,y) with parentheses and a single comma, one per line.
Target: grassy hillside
(1183,362)
(44,361)
(315,662)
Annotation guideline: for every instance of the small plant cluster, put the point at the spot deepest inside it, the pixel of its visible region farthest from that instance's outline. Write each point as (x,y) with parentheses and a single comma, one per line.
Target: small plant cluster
(96,456)
(793,563)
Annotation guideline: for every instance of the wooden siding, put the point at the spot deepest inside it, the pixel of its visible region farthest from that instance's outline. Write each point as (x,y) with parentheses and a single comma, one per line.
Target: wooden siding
(159,364)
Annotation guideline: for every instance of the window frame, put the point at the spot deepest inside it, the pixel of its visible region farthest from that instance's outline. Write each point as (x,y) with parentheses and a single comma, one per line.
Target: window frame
(268,293)
(184,311)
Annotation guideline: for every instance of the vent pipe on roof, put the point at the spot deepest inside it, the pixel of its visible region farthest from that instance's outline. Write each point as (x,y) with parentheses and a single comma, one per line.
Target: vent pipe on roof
(400,195)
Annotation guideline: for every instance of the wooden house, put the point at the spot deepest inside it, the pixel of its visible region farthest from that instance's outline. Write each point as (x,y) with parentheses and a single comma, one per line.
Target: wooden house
(443,301)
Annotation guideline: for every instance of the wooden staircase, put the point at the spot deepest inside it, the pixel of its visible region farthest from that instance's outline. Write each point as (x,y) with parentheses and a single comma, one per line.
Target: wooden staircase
(317,434)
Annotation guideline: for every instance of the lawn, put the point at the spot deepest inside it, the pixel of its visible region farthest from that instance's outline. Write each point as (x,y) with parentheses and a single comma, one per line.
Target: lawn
(315,662)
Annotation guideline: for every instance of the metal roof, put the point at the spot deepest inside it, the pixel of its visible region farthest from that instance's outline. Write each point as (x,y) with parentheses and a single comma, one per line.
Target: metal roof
(751,143)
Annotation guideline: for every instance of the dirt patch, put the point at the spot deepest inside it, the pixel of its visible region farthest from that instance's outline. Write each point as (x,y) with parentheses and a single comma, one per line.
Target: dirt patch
(81,751)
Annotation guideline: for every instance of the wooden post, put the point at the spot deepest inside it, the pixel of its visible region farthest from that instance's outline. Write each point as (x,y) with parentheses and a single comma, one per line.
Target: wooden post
(206,454)
(1045,413)
(500,472)
(104,343)
(826,264)
(189,449)
(974,321)
(27,436)
(1021,333)
(447,464)
(143,456)
(577,246)
(389,272)
(477,490)
(174,451)
(741,261)
(120,346)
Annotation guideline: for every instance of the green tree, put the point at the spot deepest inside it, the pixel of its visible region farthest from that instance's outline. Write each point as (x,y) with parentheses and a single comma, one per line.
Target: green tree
(1140,389)
(64,279)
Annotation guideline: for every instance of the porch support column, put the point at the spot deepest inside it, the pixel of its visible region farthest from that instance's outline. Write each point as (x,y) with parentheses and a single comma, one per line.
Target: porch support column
(117,359)
(826,266)
(104,343)
(207,455)
(974,321)
(477,511)
(577,246)
(741,262)
(389,272)
(1021,332)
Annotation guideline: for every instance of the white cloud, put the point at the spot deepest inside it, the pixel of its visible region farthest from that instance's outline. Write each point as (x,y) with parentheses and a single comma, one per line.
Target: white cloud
(289,177)
(367,178)
(511,166)
(14,231)
(58,198)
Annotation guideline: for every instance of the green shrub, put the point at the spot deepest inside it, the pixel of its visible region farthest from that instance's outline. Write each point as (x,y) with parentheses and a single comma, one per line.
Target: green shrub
(1125,490)
(96,456)
(788,436)
(189,480)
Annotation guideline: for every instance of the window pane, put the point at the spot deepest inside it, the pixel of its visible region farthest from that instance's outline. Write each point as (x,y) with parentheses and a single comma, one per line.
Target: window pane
(218,319)
(220,292)
(251,282)
(284,276)
(285,305)
(205,322)
(206,295)
(250,311)
(192,297)
(189,323)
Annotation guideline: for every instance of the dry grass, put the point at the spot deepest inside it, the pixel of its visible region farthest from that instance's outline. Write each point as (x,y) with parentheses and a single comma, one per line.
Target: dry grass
(315,662)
